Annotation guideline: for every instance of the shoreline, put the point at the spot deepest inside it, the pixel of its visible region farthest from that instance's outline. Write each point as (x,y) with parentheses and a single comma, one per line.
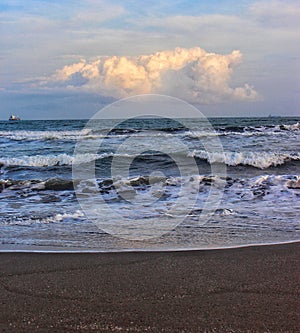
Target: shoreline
(62,250)
(246,289)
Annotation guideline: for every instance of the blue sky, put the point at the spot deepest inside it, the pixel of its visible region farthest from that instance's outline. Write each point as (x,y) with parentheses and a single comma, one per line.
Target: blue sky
(38,38)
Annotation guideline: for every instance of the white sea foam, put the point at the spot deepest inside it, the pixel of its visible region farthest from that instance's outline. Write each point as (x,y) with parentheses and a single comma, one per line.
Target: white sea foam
(45,135)
(201,134)
(292,127)
(260,160)
(77,215)
(74,135)
(247,131)
(50,160)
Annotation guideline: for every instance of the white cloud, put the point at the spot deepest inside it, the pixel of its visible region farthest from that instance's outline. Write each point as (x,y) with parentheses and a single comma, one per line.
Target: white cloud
(192,74)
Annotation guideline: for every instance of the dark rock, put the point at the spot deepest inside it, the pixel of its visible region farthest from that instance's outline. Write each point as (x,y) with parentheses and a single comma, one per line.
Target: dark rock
(59,185)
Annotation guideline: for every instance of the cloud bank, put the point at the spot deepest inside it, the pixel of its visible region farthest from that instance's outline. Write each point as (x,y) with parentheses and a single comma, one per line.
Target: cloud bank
(191,74)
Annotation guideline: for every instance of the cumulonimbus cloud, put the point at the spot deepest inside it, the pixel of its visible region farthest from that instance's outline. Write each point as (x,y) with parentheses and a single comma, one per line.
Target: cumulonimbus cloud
(191,74)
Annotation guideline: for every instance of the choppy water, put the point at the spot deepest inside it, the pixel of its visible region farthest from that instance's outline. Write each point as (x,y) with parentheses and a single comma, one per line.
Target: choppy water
(261,199)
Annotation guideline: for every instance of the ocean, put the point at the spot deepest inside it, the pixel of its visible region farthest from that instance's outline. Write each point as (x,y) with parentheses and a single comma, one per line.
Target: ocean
(254,200)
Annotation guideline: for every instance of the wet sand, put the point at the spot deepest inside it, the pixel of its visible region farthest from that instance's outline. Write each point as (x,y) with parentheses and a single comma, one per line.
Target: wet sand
(252,289)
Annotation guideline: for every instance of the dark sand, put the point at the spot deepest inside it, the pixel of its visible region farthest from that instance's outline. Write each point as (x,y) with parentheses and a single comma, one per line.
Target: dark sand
(254,289)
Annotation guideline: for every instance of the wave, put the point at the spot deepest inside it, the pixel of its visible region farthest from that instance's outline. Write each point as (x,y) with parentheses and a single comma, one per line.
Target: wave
(261,160)
(73,135)
(199,134)
(76,135)
(263,128)
(50,160)
(246,131)
(45,135)
(290,127)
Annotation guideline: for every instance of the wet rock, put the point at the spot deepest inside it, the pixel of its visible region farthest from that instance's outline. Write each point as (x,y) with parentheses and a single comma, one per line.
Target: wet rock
(50,198)
(139,181)
(59,185)
(293,184)
(4,183)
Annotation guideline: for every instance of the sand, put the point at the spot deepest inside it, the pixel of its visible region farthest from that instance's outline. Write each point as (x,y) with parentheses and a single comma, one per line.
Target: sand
(252,289)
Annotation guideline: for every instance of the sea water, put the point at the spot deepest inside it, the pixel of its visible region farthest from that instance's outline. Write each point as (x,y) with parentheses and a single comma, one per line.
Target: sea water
(260,201)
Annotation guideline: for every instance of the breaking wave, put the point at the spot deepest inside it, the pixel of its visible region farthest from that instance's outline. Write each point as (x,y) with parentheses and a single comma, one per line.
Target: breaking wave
(44,135)
(73,135)
(50,160)
(255,159)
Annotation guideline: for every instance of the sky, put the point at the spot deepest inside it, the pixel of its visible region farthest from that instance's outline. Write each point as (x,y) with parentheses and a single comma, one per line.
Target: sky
(67,59)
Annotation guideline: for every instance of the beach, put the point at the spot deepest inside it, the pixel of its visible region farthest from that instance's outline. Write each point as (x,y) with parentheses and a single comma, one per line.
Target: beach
(247,289)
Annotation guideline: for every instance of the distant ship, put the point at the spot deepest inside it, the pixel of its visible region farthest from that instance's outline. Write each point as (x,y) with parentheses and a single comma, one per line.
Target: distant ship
(14,118)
